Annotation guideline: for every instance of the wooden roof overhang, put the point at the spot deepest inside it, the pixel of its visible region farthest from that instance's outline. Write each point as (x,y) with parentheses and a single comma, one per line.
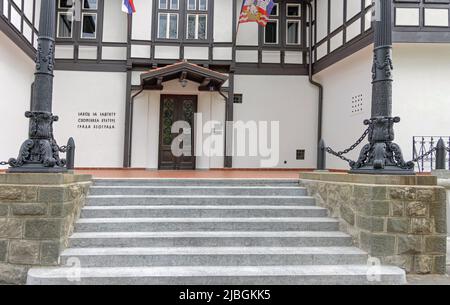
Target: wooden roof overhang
(208,79)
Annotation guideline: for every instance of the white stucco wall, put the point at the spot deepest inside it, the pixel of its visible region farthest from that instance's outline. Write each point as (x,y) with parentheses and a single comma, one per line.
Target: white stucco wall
(292,101)
(100,92)
(420,96)
(16,76)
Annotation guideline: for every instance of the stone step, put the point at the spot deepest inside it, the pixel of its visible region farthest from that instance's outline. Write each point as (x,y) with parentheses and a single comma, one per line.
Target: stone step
(218,275)
(121,200)
(206,224)
(200,190)
(201,211)
(214,256)
(210,239)
(195,181)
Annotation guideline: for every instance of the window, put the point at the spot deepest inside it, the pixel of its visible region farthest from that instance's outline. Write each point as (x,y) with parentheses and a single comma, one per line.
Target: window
(293,25)
(65,24)
(197,5)
(191,5)
(65,19)
(168,26)
(196,26)
(90,4)
(163,4)
(293,32)
(89,26)
(274,12)
(271,32)
(293,10)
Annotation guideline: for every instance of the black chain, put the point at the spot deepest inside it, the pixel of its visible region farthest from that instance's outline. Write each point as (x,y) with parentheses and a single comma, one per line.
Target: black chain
(4,163)
(341,154)
(423,156)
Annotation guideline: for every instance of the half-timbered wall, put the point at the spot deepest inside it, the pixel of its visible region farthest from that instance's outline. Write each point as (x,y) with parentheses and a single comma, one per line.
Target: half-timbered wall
(422,21)
(20,20)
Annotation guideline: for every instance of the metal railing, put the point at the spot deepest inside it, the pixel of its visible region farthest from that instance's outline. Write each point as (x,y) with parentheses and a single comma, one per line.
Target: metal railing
(423,144)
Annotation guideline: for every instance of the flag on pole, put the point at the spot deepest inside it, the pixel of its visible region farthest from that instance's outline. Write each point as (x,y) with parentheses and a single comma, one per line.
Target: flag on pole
(128,7)
(256,11)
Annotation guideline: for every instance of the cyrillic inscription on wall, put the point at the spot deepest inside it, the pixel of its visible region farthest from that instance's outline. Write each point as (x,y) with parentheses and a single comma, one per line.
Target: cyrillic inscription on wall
(96,120)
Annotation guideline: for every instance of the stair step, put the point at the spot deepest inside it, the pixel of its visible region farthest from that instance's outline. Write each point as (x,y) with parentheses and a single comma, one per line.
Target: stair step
(223,275)
(214,256)
(206,224)
(199,190)
(210,239)
(202,211)
(198,200)
(195,181)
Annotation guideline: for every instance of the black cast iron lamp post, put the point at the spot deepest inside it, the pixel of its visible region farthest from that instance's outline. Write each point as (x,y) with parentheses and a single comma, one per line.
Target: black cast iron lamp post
(382,156)
(40,152)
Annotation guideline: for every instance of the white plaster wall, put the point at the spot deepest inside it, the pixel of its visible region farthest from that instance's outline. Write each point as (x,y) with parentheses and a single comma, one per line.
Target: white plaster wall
(420,96)
(16,76)
(76,91)
(145,145)
(343,81)
(142,20)
(223,14)
(114,22)
(421,92)
(266,98)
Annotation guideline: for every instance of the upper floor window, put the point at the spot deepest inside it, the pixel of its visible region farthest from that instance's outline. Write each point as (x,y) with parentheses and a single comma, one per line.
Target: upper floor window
(293,24)
(173,13)
(288,16)
(271,29)
(66,18)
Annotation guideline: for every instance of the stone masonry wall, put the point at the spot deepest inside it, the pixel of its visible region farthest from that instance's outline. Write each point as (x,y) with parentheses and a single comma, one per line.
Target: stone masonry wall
(37,215)
(403,225)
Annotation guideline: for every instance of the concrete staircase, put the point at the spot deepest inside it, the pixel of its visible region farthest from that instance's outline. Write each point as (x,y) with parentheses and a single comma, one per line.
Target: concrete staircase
(208,232)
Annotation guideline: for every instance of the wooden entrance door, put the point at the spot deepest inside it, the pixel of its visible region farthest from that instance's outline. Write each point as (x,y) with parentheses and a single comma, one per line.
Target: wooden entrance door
(176,108)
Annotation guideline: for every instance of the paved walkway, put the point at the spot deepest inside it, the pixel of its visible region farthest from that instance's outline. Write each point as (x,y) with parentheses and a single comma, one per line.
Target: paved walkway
(198,174)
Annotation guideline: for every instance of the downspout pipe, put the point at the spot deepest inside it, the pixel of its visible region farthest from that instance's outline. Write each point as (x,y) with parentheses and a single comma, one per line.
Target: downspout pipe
(314,83)
(225,127)
(130,127)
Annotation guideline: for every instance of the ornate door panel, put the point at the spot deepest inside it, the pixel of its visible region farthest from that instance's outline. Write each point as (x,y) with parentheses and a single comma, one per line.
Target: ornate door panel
(175,108)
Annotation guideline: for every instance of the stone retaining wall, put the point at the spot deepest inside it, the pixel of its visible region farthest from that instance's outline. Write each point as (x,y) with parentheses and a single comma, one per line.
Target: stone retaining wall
(37,215)
(401,220)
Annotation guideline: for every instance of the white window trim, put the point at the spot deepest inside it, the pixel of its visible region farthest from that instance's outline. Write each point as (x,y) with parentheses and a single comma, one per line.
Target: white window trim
(190,9)
(163,8)
(168,25)
(293,16)
(278,33)
(89,8)
(197,16)
(278,10)
(287,33)
(206,8)
(82,25)
(71,30)
(174,8)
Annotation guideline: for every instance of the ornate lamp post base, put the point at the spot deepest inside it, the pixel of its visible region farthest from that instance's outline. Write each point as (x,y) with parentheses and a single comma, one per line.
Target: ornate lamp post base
(40,153)
(382,156)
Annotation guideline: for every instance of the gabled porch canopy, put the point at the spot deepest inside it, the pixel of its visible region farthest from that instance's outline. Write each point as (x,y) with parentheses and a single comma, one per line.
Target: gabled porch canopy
(208,79)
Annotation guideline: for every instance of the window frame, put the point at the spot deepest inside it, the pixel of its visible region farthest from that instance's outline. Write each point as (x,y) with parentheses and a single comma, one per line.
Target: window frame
(168,25)
(197,17)
(90,9)
(299,35)
(277,33)
(296,5)
(69,13)
(82,25)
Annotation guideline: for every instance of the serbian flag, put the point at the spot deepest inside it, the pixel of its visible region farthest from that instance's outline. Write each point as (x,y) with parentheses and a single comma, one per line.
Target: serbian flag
(128,7)
(256,11)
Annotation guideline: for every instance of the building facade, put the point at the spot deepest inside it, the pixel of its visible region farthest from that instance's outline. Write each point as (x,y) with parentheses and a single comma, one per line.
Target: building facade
(122,81)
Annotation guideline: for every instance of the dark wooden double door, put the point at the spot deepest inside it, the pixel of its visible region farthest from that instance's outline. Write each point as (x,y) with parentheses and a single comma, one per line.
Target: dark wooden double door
(175,108)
